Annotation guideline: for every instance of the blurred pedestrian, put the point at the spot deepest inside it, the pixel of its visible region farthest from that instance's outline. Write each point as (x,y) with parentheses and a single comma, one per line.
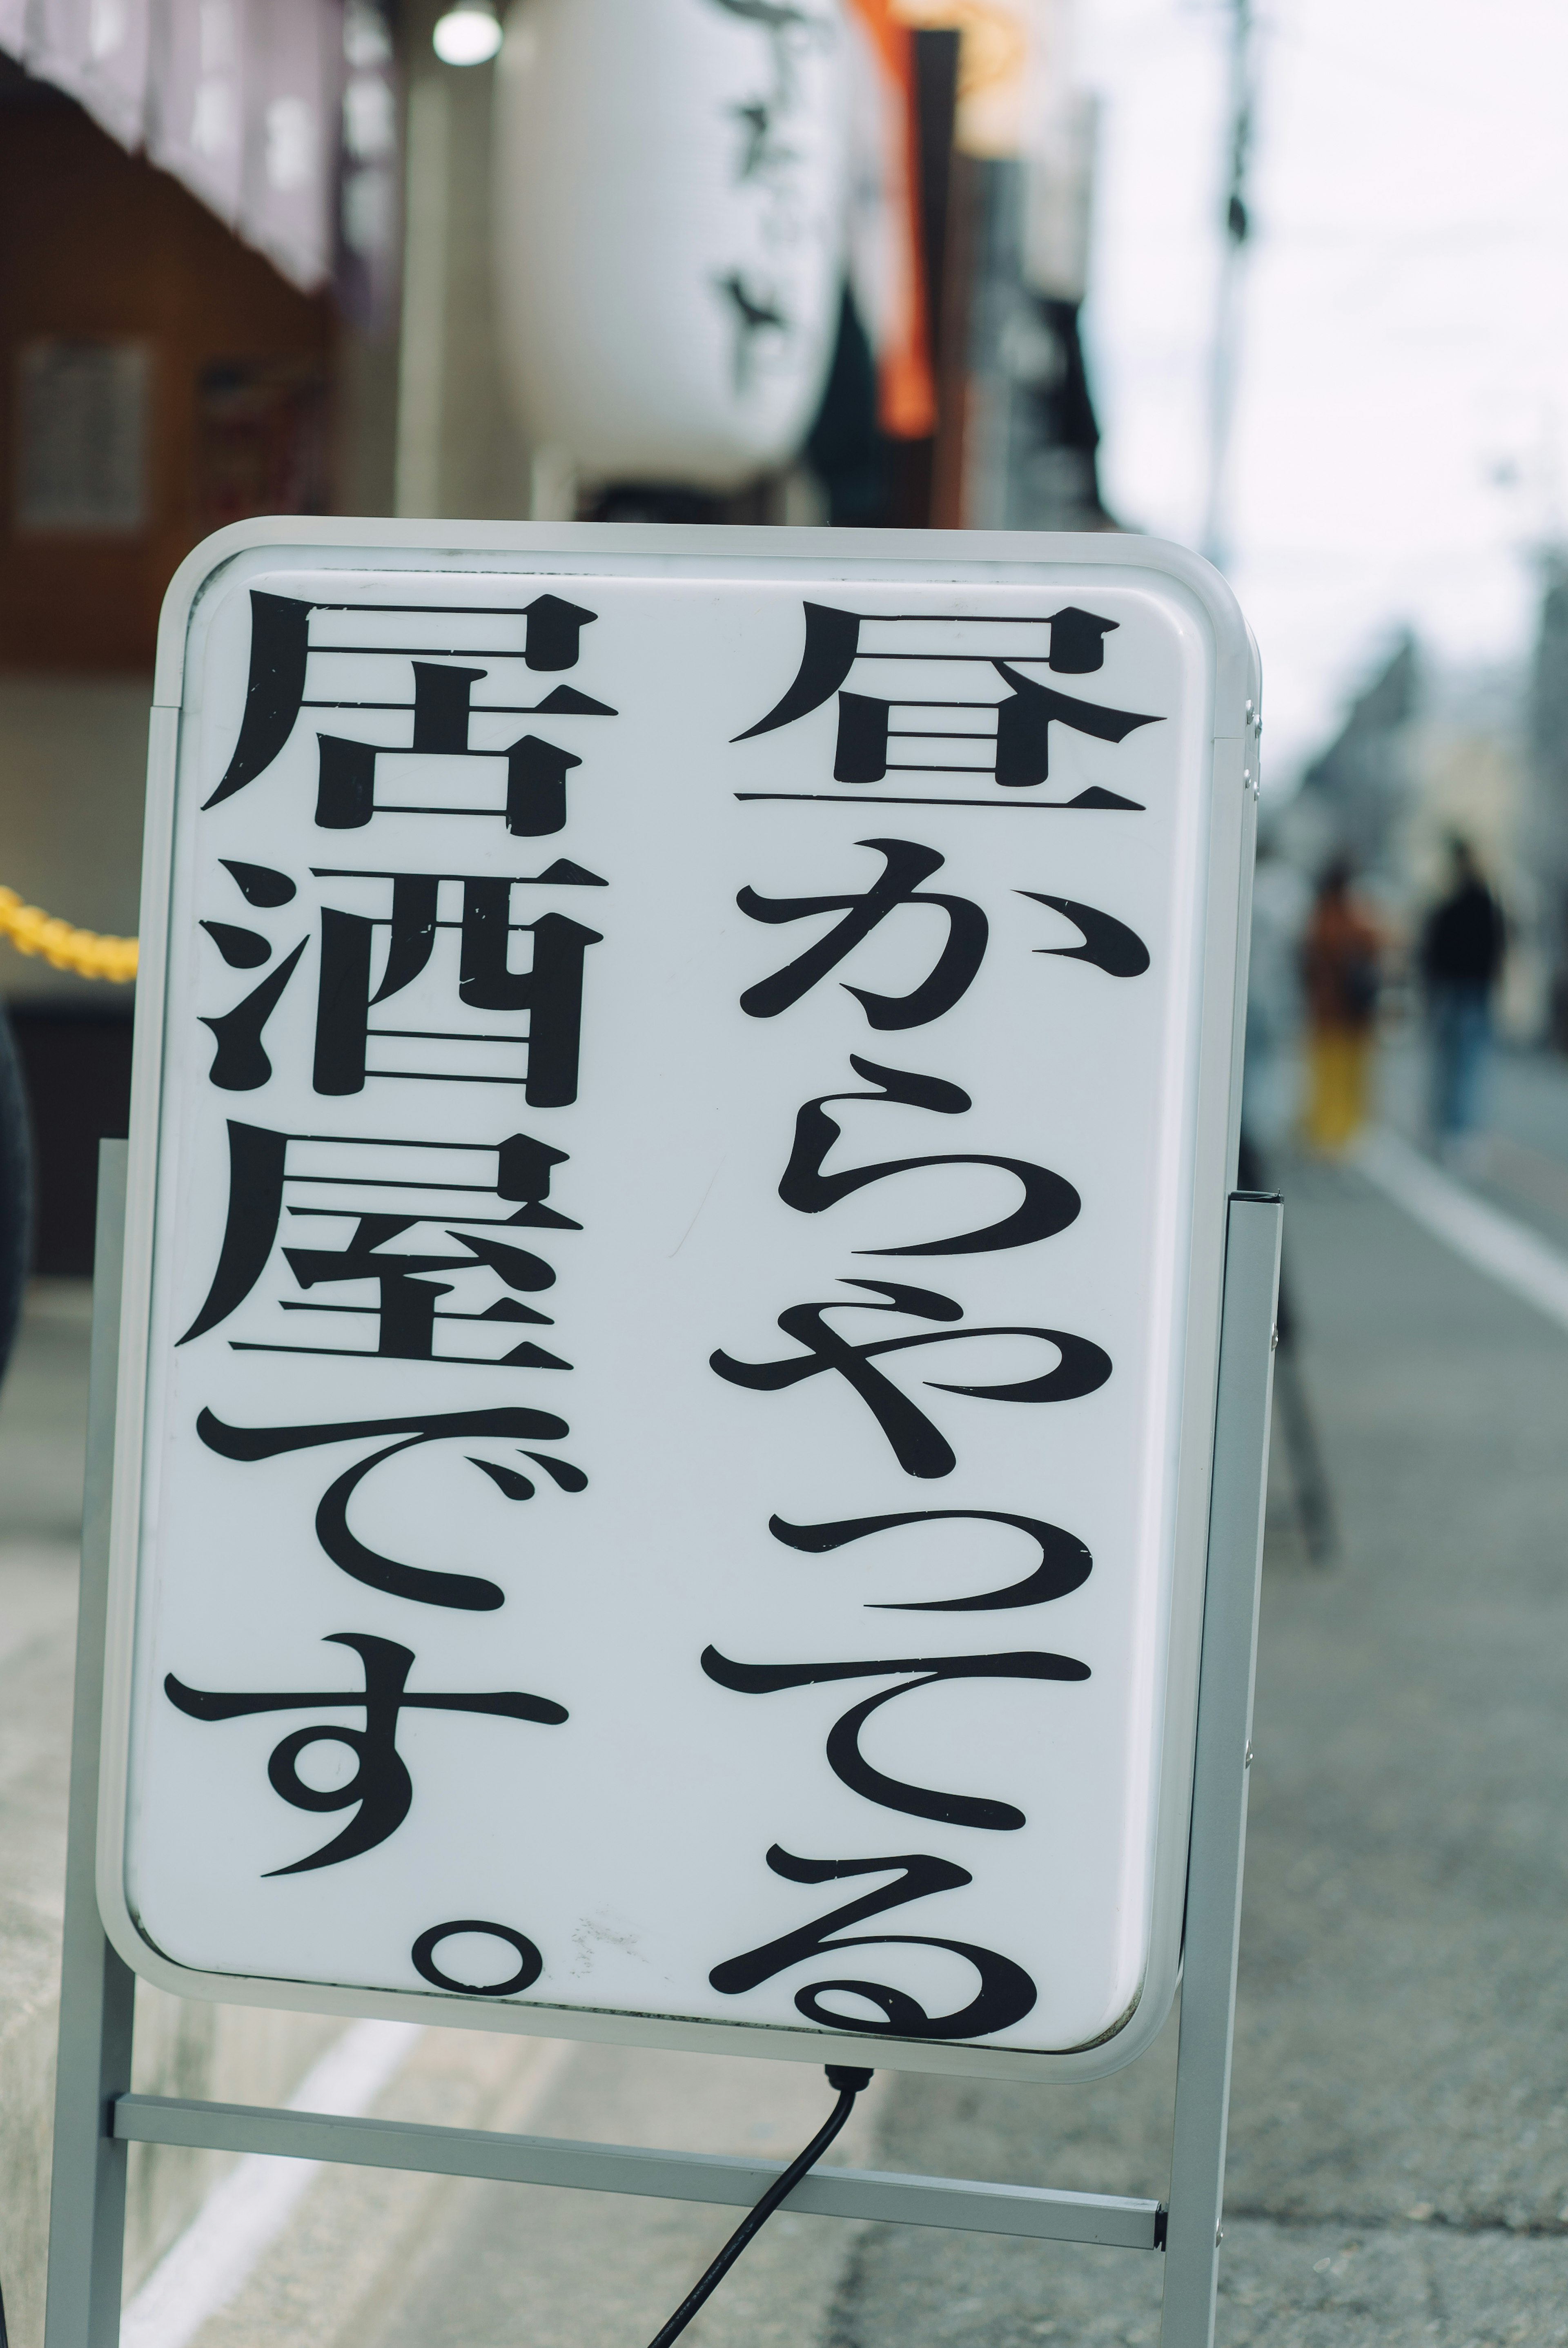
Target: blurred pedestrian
(1341,958)
(1463,944)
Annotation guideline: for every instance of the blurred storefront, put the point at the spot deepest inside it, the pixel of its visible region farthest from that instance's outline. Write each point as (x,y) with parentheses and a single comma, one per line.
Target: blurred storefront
(198,245)
(820,262)
(1018,436)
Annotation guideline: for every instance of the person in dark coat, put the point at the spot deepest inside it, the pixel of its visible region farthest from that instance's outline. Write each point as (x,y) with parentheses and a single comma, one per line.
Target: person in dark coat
(1463,944)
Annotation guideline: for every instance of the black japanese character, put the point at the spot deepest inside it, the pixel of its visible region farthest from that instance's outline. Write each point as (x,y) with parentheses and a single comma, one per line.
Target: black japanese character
(381,1785)
(1049,1204)
(833,645)
(466,1592)
(869,724)
(1005,1994)
(549,989)
(844,1757)
(280,651)
(917,1445)
(905,865)
(1064,1563)
(259,1175)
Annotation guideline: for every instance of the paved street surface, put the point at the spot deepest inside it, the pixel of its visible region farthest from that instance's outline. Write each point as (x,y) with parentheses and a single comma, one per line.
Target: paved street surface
(1398,2168)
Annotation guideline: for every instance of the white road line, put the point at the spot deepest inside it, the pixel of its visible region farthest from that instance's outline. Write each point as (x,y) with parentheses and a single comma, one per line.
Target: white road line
(209,2263)
(1513,1255)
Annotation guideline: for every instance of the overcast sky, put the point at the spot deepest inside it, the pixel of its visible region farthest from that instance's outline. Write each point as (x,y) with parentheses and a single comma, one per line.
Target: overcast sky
(1404,390)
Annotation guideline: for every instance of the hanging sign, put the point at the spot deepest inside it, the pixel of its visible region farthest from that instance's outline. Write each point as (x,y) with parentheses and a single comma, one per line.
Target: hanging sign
(678,1171)
(98,51)
(668,230)
(196,109)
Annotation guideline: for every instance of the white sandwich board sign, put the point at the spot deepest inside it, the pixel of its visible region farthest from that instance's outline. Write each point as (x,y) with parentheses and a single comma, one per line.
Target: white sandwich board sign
(681,1128)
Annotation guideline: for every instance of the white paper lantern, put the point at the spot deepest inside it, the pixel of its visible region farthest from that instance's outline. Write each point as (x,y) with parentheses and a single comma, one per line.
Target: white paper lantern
(669,229)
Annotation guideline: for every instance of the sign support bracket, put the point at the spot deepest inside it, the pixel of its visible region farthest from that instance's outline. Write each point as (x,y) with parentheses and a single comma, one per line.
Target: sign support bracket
(97,2116)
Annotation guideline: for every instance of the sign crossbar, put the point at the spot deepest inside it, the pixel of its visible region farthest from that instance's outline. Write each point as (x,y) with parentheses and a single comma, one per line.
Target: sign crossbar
(1107,2219)
(97,2116)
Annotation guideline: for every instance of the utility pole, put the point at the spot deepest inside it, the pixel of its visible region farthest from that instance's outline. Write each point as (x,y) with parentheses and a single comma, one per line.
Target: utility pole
(1224,358)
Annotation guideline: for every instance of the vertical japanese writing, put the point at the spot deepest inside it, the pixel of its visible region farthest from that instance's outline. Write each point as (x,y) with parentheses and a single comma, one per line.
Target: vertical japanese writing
(671,1480)
(1006,739)
(433,1240)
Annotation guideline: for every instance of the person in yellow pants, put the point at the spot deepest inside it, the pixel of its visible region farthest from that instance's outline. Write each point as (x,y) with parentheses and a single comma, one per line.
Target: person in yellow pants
(1341,958)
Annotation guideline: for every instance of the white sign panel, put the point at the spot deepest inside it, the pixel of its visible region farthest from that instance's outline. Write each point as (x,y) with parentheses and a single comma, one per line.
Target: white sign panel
(678,1175)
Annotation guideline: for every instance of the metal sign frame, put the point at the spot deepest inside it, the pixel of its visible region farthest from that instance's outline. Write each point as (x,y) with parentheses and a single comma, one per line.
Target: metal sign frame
(576,551)
(97,2117)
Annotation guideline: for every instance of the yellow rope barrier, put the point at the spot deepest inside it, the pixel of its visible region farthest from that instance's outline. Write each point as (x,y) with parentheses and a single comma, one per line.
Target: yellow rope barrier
(32,932)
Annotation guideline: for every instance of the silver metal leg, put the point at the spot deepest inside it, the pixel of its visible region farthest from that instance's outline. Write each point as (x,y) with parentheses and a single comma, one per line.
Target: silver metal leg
(87,2203)
(1219,1784)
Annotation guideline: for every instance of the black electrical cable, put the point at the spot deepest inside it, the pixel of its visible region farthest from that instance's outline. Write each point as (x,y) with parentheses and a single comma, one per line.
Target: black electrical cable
(848,2085)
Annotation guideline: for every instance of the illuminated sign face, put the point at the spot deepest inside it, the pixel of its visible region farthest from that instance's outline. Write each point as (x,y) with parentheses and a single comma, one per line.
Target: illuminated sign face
(675,1257)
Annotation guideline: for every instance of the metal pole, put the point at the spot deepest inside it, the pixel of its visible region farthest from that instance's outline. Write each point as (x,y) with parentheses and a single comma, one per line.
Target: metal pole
(97,1989)
(1223,1758)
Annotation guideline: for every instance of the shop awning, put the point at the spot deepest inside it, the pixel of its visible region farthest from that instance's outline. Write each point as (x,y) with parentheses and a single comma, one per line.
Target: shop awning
(279,115)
